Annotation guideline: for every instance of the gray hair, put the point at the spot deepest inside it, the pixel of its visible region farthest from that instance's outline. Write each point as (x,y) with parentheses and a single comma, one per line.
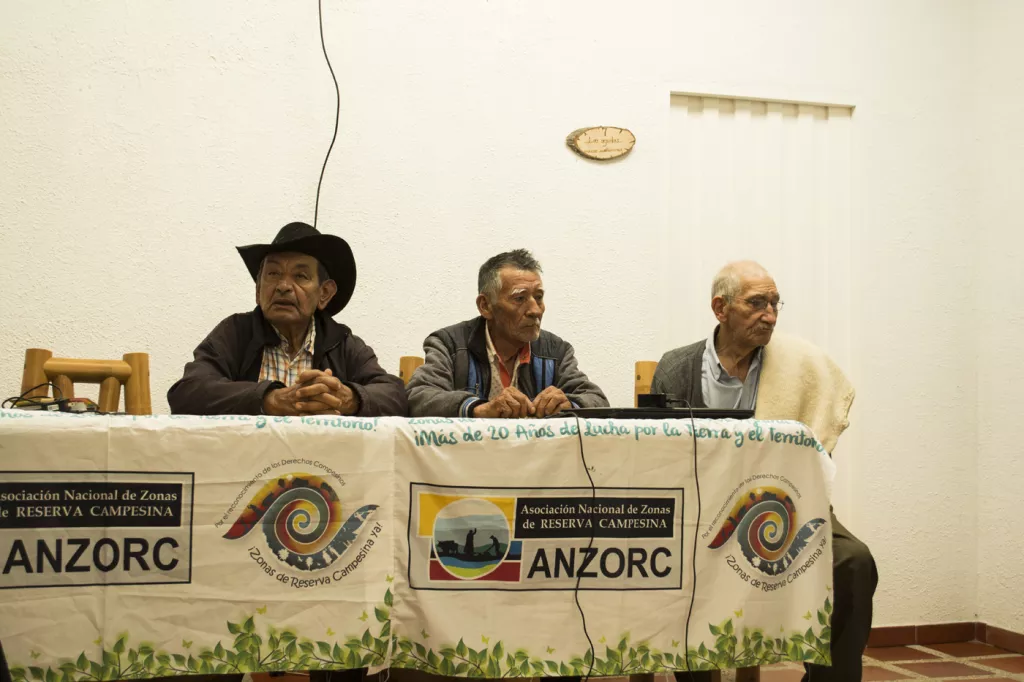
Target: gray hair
(726,284)
(728,280)
(489,280)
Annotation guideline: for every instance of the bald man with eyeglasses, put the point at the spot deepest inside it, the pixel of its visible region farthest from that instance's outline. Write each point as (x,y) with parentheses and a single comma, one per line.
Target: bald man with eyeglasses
(740,366)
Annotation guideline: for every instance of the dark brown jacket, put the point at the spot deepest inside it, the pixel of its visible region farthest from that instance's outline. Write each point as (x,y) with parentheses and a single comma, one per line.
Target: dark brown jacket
(224,376)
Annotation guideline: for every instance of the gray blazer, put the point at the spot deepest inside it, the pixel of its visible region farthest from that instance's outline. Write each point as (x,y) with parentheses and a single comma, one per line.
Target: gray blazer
(679,374)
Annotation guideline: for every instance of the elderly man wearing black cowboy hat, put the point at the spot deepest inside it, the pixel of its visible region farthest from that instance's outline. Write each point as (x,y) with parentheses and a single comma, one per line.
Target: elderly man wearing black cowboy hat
(288,357)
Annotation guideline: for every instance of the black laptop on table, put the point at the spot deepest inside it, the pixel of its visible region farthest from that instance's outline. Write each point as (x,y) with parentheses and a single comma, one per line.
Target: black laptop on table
(655,413)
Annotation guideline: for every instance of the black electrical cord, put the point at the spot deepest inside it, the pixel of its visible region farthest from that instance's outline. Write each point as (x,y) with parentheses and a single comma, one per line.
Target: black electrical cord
(696,530)
(337,109)
(34,401)
(579,574)
(693,592)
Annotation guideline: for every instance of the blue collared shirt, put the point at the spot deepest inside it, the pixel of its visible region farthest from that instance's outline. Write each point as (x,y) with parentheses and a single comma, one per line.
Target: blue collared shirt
(723,391)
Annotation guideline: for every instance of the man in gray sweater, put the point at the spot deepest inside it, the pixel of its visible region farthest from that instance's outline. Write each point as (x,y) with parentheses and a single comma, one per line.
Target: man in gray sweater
(736,367)
(501,364)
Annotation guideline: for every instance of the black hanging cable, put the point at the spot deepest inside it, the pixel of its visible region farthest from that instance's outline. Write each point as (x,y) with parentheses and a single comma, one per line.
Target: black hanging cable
(696,530)
(38,401)
(590,545)
(579,574)
(337,108)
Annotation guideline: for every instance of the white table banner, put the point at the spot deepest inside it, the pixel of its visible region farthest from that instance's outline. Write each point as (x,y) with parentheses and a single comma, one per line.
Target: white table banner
(136,547)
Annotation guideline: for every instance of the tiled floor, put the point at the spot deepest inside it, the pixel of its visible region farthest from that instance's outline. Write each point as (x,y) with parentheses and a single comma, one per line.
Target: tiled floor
(972,661)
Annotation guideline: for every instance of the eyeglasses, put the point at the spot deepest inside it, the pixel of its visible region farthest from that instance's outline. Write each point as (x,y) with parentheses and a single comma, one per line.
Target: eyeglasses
(760,303)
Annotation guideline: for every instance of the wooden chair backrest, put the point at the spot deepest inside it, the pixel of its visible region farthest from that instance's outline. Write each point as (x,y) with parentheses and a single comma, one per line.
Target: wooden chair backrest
(407,364)
(643,375)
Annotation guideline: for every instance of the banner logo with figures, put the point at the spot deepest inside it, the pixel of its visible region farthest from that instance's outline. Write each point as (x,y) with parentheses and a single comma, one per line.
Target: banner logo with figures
(463,538)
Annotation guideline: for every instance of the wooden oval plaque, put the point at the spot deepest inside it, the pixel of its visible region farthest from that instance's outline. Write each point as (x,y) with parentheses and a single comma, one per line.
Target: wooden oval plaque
(601,143)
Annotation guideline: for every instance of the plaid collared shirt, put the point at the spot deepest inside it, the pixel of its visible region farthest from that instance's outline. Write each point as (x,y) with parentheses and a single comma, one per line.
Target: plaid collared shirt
(278,365)
(501,378)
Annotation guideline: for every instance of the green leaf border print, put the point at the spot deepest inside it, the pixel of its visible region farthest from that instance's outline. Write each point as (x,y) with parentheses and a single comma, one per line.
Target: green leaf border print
(284,650)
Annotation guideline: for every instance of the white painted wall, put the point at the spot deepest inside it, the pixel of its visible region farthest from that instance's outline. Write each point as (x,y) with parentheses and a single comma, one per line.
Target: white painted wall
(141,142)
(999,176)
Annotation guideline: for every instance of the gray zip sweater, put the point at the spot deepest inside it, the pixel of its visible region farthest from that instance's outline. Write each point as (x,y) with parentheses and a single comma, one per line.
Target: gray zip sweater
(456,374)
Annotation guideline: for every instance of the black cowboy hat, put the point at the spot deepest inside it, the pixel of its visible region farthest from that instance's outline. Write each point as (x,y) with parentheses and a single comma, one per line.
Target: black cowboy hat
(332,252)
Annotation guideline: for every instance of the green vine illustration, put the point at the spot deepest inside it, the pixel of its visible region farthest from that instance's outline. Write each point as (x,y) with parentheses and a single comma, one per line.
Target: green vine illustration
(284,650)
(731,650)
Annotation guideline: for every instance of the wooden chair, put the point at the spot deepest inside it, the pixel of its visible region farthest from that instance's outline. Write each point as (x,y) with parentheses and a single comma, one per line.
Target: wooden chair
(642,378)
(407,364)
(132,371)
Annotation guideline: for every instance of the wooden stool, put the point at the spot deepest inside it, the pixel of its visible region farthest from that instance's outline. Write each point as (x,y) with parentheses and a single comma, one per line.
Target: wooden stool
(132,371)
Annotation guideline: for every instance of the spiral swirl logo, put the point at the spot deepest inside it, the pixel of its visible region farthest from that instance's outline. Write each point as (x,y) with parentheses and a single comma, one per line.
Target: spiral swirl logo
(301,518)
(764,521)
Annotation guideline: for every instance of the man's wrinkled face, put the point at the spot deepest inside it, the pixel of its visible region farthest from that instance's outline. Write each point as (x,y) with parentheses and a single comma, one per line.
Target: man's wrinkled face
(517,312)
(751,315)
(288,292)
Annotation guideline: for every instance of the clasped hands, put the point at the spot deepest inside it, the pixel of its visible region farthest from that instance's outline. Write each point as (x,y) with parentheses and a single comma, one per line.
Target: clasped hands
(314,393)
(512,403)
